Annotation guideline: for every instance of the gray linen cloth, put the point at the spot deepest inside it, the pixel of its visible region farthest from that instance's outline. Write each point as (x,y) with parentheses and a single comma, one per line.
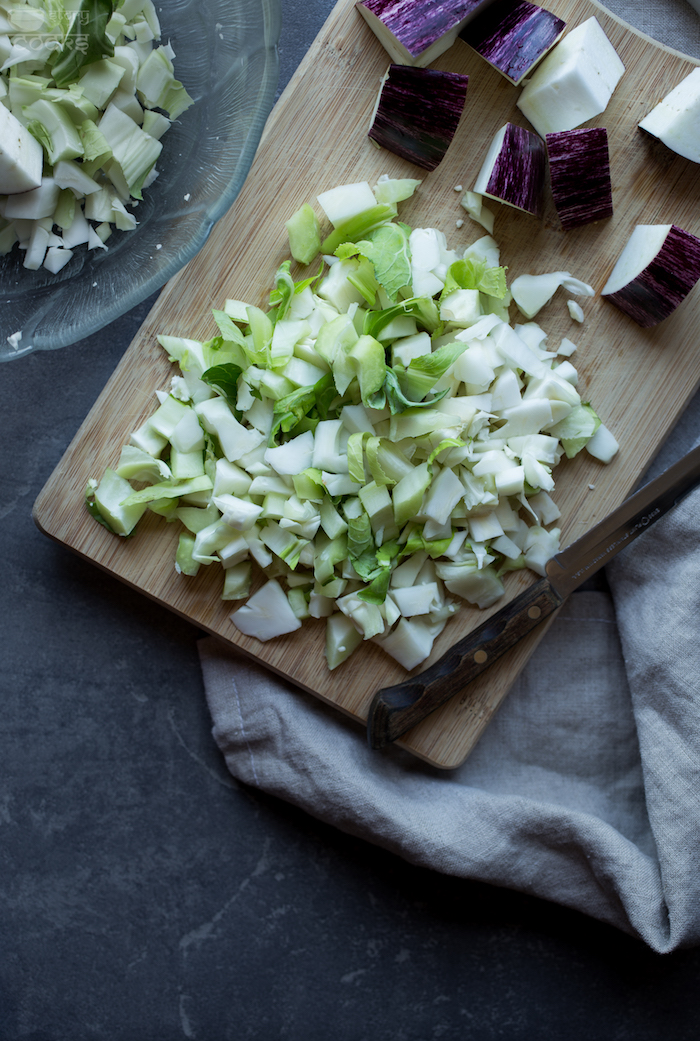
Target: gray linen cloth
(585,788)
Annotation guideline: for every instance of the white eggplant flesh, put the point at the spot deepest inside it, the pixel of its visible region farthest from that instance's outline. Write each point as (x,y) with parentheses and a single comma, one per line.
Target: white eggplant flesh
(579,169)
(514,169)
(574,83)
(416,32)
(655,272)
(676,119)
(513,36)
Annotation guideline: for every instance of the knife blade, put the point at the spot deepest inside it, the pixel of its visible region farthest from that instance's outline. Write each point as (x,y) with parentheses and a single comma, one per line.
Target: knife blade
(398,708)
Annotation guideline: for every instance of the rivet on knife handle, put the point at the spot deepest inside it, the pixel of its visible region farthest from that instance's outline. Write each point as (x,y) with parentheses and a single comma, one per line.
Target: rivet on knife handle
(394,710)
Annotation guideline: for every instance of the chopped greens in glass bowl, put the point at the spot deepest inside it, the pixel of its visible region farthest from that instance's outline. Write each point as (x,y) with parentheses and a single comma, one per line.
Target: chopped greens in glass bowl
(224,54)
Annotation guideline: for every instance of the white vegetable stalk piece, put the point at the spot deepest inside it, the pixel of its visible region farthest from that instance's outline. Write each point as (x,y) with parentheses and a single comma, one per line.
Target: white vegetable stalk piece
(532,292)
(267,614)
(603,445)
(346,200)
(574,83)
(474,206)
(416,32)
(513,36)
(21,156)
(430,259)
(656,270)
(513,171)
(676,119)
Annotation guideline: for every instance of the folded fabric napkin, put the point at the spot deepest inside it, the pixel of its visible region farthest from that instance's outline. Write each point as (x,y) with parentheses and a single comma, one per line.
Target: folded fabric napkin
(585,788)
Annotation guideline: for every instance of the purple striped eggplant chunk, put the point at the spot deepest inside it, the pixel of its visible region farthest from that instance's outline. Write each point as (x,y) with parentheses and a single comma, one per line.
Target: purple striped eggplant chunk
(416,32)
(579,169)
(417,113)
(513,171)
(655,272)
(513,35)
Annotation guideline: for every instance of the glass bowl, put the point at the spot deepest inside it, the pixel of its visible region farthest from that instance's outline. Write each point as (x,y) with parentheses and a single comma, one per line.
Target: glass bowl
(226,57)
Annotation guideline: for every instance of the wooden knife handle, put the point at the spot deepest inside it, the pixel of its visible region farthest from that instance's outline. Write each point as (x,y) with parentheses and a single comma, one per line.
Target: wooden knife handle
(394,710)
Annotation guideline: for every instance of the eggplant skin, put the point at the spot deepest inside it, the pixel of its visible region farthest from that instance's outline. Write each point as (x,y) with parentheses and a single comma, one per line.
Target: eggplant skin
(518,175)
(417,24)
(579,168)
(664,283)
(418,113)
(512,35)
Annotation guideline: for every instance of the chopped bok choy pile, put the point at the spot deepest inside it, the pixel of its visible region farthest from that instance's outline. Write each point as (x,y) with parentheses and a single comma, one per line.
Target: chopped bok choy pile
(87,93)
(379,440)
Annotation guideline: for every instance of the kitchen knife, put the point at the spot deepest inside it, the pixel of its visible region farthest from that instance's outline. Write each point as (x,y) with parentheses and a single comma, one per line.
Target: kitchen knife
(396,709)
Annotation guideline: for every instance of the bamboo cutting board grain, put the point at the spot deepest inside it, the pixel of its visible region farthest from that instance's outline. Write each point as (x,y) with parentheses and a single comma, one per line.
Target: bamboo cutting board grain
(316,138)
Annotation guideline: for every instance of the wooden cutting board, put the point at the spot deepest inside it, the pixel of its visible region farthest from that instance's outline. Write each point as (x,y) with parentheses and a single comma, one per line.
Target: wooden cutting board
(316,138)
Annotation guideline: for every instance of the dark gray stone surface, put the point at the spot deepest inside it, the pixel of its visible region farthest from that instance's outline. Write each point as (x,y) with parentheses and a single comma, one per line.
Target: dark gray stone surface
(147,896)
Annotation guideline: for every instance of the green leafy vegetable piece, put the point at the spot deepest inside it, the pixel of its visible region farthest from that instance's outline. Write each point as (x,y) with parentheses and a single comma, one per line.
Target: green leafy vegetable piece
(375,592)
(392,397)
(183,557)
(448,442)
(395,189)
(370,364)
(436,547)
(422,308)
(470,273)
(423,373)
(228,328)
(387,249)
(365,563)
(55,16)
(433,547)
(364,280)
(94,511)
(156,83)
(304,233)
(285,287)
(224,379)
(576,430)
(359,535)
(375,568)
(291,409)
(168,490)
(309,484)
(281,295)
(355,455)
(86,41)
(379,476)
(359,226)
(93,140)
